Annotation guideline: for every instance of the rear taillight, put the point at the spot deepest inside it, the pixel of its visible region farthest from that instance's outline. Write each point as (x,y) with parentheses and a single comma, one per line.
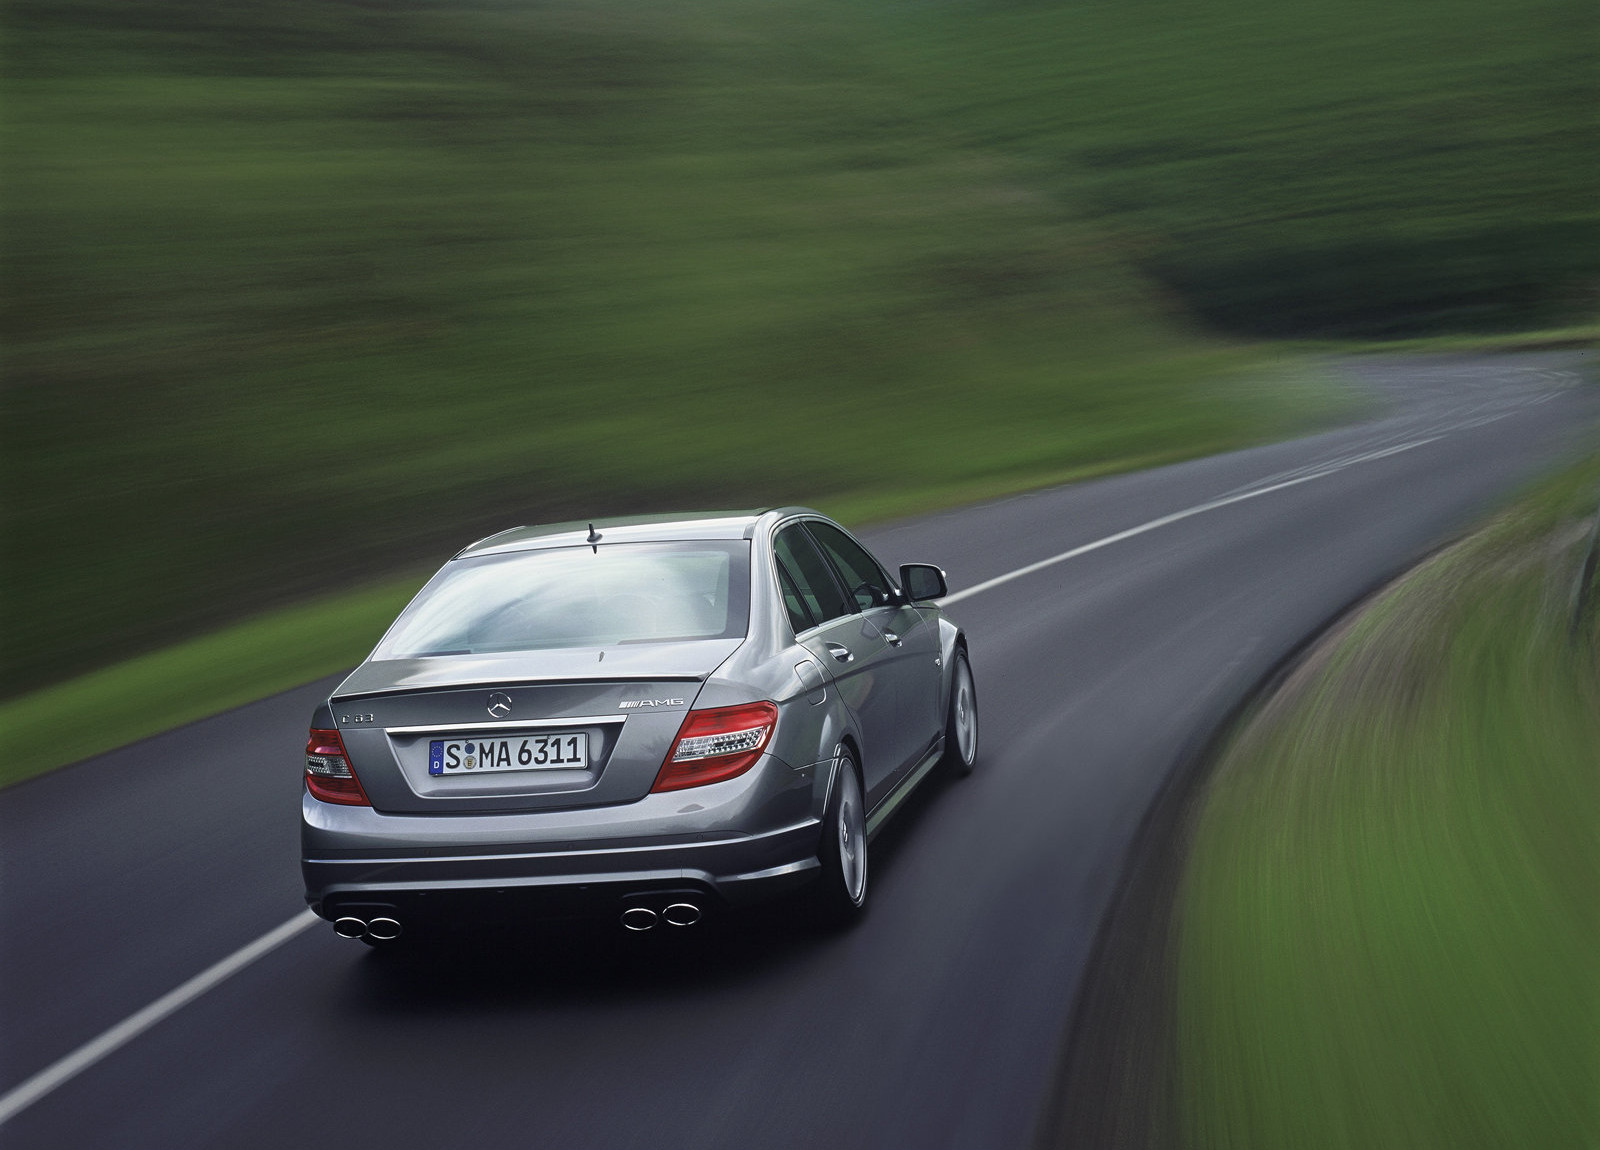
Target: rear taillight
(329,776)
(715,744)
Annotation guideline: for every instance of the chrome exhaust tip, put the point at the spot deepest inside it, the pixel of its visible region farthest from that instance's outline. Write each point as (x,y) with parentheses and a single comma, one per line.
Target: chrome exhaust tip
(383,929)
(682,914)
(349,927)
(638,918)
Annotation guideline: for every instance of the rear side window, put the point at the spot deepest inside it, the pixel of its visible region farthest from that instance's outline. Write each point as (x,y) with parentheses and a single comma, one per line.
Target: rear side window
(864,579)
(799,615)
(807,569)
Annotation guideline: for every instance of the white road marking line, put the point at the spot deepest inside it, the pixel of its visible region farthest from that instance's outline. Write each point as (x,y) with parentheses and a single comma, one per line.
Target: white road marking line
(42,1083)
(1370,449)
(1187,513)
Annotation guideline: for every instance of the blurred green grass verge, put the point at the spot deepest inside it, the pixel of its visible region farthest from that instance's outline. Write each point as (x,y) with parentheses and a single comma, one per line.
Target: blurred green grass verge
(1387,929)
(284,648)
(226,668)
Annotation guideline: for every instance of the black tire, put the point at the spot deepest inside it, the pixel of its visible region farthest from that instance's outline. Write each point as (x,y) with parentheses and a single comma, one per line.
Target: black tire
(961,719)
(839,896)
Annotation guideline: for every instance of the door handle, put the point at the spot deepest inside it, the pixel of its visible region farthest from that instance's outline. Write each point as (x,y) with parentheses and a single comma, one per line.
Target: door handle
(840,652)
(892,637)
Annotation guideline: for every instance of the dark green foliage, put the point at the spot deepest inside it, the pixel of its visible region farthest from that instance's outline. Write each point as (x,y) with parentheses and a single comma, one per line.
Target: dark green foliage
(1318,168)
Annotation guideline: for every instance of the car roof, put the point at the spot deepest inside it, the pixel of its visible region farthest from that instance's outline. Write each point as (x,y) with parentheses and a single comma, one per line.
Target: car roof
(626,529)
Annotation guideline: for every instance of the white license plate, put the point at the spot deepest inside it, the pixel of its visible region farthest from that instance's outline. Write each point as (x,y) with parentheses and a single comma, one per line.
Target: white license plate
(559,750)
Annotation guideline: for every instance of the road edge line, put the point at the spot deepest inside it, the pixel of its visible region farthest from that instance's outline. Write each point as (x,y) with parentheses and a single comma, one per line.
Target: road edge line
(20,1097)
(1176,516)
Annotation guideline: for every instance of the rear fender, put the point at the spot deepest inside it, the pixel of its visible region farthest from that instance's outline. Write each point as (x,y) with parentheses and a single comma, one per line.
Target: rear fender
(827,770)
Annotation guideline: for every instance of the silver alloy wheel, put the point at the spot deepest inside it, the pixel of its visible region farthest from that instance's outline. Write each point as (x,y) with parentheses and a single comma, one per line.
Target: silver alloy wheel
(852,835)
(965,713)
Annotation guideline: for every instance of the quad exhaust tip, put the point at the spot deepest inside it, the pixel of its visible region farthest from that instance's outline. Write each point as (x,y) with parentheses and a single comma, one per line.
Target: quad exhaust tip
(380,929)
(641,918)
(638,918)
(682,914)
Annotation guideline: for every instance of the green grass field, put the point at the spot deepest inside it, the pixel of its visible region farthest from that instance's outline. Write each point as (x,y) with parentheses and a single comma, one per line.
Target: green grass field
(135,698)
(299,293)
(1388,931)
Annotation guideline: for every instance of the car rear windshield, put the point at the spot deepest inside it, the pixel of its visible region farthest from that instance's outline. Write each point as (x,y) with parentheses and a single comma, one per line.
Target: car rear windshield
(578,597)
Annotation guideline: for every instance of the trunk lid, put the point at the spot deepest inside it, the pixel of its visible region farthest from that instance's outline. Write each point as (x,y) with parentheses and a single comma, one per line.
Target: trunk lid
(627,701)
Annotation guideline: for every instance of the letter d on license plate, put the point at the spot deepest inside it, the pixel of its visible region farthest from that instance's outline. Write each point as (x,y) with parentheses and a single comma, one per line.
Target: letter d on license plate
(558,750)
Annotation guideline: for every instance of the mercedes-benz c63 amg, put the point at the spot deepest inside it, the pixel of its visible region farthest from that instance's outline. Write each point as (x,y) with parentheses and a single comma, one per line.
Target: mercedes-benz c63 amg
(647,719)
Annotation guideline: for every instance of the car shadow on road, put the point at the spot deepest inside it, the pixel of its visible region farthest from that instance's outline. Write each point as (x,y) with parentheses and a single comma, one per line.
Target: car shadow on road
(596,961)
(563,961)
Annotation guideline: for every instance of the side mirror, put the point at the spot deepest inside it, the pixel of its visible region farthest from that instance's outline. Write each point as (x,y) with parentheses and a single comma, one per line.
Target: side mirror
(922,582)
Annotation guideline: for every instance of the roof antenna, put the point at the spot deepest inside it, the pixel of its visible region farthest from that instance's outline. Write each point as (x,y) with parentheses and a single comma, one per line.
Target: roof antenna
(594,539)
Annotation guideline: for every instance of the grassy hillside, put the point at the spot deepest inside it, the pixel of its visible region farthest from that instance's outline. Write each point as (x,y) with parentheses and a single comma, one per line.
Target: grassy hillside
(299,290)
(1387,929)
(1324,167)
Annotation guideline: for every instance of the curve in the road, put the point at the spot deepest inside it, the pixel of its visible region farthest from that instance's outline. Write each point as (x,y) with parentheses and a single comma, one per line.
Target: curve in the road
(931,1025)
(48,1079)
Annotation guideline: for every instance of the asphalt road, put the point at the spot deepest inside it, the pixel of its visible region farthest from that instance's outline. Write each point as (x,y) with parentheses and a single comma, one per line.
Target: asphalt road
(935,1023)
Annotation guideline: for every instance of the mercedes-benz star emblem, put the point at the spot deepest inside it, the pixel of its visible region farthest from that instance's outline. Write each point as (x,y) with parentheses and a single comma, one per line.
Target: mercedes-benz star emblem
(499,704)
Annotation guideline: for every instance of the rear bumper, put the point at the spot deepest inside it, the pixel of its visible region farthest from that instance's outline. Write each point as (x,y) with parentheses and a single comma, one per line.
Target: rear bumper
(732,843)
(734,871)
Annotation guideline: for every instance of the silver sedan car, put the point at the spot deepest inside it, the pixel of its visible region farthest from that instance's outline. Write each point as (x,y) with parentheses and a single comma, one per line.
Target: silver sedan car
(647,718)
